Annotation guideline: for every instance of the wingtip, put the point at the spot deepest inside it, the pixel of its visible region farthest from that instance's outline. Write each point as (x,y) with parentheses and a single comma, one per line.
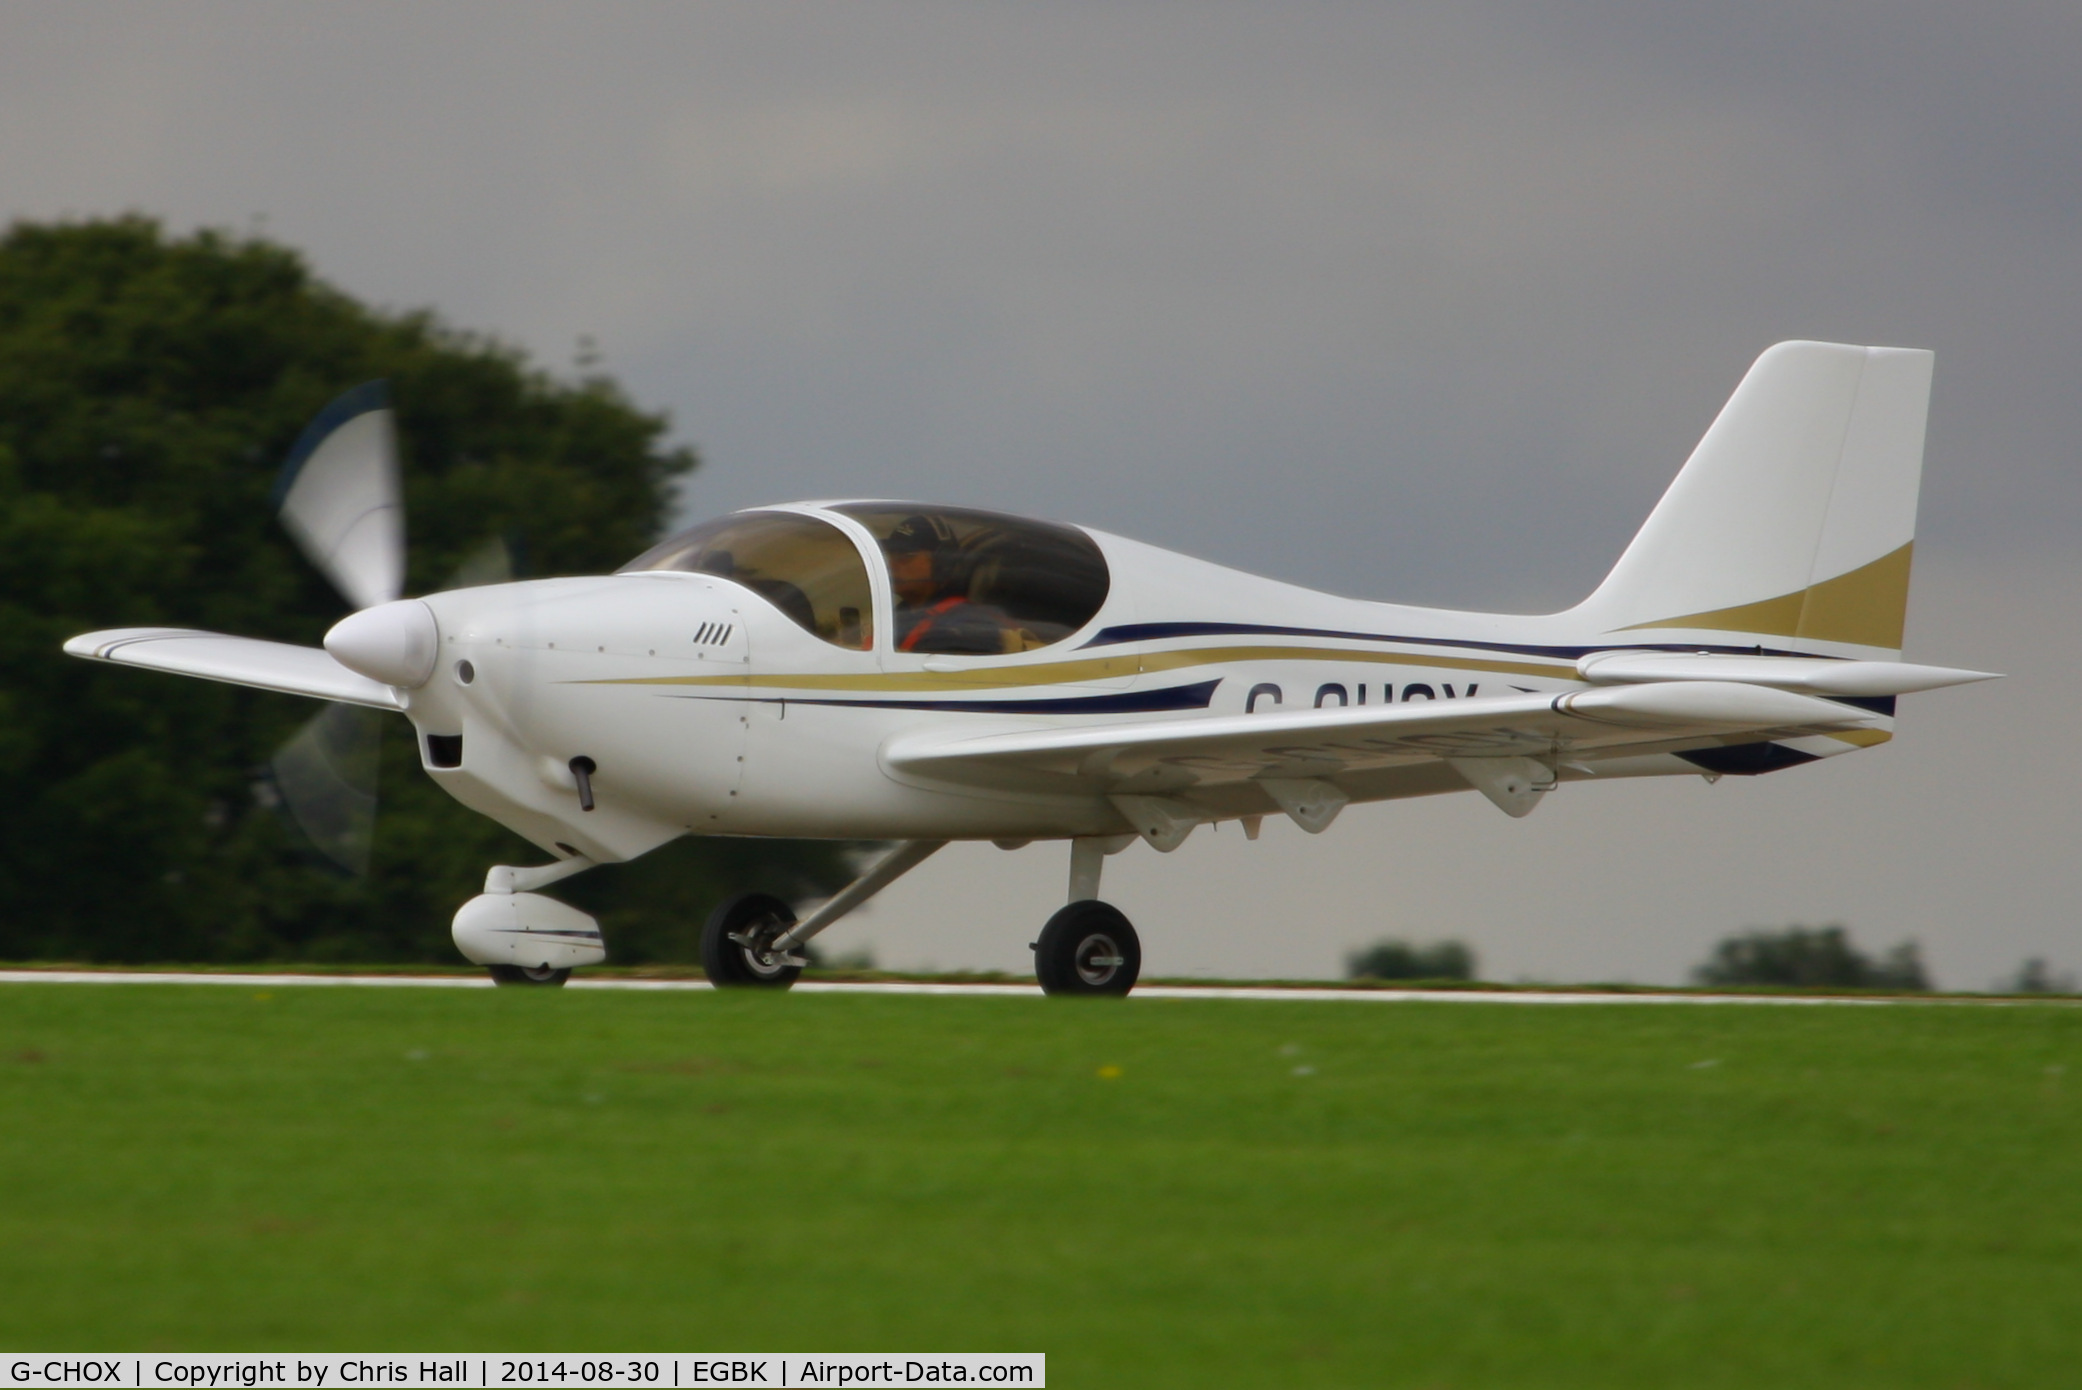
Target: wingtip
(100,644)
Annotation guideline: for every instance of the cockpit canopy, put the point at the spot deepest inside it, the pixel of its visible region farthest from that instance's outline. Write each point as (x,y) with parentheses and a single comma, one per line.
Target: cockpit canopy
(807,568)
(980,582)
(965,582)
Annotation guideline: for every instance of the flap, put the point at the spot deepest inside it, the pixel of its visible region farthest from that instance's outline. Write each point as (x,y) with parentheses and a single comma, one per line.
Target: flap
(276,666)
(1582,725)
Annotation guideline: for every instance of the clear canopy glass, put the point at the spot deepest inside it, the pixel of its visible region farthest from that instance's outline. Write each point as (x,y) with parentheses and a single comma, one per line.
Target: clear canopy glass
(807,568)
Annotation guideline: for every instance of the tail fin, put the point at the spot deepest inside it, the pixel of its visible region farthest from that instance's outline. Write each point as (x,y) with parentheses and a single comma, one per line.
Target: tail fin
(1794,520)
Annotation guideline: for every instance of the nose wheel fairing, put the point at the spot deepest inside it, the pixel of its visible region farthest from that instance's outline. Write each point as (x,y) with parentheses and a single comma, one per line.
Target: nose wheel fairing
(526,931)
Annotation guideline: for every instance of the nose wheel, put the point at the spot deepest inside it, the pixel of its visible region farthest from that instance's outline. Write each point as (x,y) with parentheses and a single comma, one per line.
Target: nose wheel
(737,947)
(1088,948)
(528,975)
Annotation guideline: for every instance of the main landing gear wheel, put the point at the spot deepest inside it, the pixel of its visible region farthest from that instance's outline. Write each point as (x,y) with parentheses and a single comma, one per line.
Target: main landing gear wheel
(528,975)
(1088,948)
(737,943)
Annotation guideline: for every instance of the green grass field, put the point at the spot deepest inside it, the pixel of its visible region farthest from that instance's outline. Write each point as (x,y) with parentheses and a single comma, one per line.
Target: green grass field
(1158,1193)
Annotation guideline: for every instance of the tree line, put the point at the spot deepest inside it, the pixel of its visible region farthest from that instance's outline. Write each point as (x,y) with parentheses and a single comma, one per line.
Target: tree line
(1795,957)
(150,386)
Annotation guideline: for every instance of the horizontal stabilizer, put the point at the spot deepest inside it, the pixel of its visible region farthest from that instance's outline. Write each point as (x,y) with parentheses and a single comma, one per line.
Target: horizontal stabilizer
(1809,675)
(277,666)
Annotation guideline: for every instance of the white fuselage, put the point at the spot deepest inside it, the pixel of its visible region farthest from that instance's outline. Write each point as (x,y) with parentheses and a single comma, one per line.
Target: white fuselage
(704,709)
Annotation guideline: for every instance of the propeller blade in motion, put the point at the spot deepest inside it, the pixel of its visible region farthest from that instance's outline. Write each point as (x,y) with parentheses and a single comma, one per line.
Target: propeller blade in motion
(326,777)
(339,496)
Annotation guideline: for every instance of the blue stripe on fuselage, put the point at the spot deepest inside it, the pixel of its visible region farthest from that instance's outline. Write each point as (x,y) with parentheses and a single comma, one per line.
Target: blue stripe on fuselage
(1157,632)
(1177,697)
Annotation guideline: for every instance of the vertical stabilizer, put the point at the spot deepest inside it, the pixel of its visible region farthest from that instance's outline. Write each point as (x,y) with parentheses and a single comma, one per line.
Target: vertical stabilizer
(1793,522)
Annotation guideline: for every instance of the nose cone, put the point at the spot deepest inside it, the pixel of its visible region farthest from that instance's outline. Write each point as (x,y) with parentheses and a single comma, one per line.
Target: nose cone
(395,643)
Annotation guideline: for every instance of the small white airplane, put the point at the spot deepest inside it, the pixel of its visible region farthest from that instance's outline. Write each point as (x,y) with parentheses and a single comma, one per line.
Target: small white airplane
(872,670)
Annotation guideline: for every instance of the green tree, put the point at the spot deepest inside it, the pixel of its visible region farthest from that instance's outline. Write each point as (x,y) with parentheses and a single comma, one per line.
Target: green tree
(2035,976)
(149,387)
(1403,960)
(1819,956)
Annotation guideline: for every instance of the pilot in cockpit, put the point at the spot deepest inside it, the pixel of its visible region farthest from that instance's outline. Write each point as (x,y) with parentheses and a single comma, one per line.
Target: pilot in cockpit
(935,612)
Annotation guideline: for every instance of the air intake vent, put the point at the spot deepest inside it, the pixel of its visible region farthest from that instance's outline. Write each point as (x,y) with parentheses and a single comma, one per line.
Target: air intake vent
(444,750)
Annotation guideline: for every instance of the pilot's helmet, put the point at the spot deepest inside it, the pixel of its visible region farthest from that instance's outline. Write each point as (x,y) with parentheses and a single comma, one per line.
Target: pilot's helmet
(920,532)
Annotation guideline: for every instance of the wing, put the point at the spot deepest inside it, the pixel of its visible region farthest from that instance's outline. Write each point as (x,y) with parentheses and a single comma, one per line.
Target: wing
(1500,745)
(274,666)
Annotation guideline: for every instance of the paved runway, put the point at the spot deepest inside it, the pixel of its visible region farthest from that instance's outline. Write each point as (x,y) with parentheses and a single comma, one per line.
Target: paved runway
(1261,993)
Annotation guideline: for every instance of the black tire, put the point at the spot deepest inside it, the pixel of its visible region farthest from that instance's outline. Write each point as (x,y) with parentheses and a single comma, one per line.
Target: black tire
(1088,948)
(732,963)
(539,975)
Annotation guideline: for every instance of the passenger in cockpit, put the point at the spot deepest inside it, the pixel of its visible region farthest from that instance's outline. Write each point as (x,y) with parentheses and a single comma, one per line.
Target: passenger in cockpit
(934,610)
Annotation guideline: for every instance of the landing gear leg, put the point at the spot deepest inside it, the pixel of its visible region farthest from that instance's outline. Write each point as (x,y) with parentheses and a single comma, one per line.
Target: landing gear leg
(1089,947)
(752,938)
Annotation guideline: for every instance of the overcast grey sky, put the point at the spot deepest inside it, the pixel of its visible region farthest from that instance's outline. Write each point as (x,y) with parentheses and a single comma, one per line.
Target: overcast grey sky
(1422,302)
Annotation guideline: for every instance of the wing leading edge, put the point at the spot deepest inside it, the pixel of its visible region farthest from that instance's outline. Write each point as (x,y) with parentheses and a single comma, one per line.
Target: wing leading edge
(276,666)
